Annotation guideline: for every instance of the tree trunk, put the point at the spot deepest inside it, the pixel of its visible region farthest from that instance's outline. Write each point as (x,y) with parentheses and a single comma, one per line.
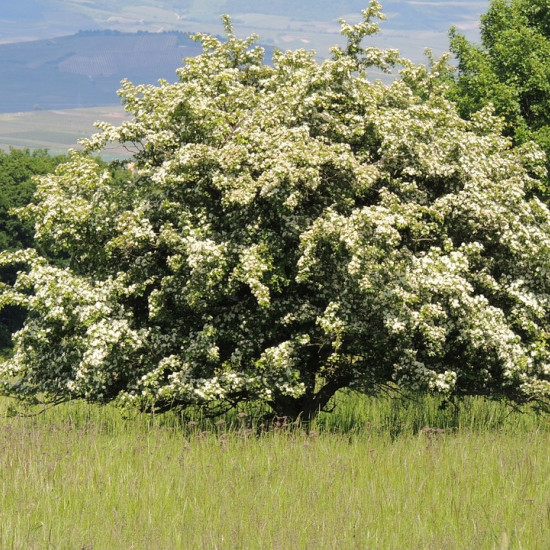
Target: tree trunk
(307,406)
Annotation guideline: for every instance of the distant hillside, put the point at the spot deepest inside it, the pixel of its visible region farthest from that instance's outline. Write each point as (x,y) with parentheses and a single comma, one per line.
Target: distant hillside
(40,71)
(412,25)
(85,69)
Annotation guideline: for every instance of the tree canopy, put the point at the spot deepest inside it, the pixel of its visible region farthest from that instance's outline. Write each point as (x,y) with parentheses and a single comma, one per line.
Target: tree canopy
(291,229)
(510,69)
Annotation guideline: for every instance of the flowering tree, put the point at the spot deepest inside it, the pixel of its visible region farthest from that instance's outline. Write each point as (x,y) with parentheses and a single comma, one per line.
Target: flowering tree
(17,167)
(290,230)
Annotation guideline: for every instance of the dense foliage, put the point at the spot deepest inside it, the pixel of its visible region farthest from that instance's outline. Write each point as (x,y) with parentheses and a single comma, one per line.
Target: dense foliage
(291,229)
(17,169)
(510,69)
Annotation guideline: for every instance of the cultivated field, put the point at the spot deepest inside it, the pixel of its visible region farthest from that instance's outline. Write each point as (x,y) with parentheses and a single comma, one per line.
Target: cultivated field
(367,476)
(57,130)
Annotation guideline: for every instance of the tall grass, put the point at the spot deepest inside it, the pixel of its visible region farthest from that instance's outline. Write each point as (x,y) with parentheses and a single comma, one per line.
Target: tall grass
(81,476)
(396,416)
(351,413)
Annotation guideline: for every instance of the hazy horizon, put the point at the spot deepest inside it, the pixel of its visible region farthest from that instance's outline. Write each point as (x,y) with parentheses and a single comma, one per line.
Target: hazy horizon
(67,74)
(411,25)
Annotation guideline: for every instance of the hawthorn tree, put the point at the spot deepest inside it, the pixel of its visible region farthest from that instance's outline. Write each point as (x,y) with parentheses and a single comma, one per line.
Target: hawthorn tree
(17,168)
(291,229)
(510,69)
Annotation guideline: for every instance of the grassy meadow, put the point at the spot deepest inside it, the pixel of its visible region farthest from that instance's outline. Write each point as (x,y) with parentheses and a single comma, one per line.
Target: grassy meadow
(376,474)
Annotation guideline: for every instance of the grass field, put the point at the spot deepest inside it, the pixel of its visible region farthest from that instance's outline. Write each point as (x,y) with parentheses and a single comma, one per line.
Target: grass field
(367,476)
(59,130)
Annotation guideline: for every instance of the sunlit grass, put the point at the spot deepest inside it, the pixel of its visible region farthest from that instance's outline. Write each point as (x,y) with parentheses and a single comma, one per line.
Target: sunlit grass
(81,476)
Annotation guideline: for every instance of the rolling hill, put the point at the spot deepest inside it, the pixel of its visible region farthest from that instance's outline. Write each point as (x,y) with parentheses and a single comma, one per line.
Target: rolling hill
(85,69)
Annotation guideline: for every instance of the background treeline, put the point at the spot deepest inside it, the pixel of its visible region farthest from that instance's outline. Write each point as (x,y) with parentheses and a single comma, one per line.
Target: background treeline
(509,69)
